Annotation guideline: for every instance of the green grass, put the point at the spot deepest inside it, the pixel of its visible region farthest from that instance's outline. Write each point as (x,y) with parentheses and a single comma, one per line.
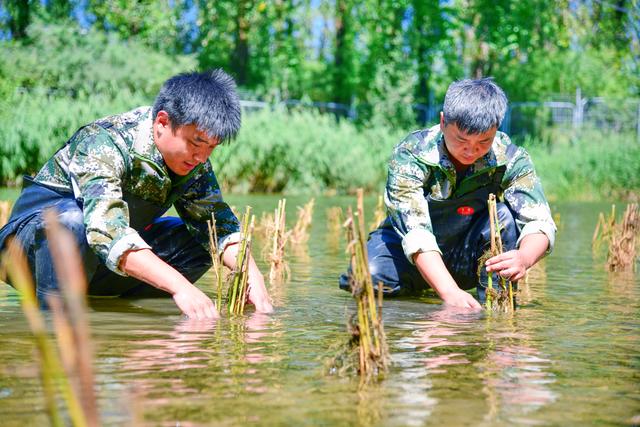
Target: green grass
(304,152)
(596,167)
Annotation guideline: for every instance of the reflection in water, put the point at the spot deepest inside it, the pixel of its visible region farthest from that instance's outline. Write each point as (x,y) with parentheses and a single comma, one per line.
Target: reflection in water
(568,356)
(514,373)
(506,366)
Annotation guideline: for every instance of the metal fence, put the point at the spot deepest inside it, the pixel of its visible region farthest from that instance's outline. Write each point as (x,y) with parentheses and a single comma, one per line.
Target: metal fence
(570,114)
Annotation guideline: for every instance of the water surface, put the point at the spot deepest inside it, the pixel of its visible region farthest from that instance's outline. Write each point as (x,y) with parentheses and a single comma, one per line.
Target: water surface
(569,356)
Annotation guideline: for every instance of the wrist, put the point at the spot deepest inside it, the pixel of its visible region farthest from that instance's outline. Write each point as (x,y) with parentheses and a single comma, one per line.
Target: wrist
(447,291)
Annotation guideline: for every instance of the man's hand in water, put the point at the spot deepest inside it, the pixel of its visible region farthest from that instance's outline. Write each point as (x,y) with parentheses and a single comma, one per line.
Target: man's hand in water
(258,294)
(194,303)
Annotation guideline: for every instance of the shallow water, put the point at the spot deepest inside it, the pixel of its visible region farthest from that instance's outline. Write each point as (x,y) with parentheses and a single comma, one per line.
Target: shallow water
(569,356)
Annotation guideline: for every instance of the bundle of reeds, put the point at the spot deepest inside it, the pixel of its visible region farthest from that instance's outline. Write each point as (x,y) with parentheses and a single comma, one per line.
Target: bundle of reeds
(604,229)
(502,299)
(300,231)
(379,214)
(623,240)
(279,270)
(73,377)
(366,351)
(216,261)
(334,219)
(264,229)
(238,290)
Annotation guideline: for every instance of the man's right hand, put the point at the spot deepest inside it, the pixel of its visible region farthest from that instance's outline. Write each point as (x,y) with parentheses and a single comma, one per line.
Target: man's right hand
(459,298)
(432,268)
(144,265)
(195,304)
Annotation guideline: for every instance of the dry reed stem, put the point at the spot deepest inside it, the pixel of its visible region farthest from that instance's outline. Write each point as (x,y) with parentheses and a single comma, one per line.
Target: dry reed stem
(216,261)
(367,347)
(300,231)
(51,370)
(264,228)
(72,282)
(604,229)
(5,211)
(622,245)
(279,270)
(502,299)
(379,215)
(237,294)
(334,219)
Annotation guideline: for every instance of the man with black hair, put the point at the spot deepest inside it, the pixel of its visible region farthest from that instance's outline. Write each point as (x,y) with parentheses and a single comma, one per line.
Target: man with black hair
(436,196)
(112,182)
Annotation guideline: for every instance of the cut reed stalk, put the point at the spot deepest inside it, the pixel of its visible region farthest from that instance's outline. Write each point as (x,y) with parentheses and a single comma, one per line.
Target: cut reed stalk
(503,299)
(51,370)
(73,285)
(366,351)
(604,229)
(216,261)
(379,214)
(5,211)
(334,219)
(300,231)
(279,269)
(623,239)
(238,291)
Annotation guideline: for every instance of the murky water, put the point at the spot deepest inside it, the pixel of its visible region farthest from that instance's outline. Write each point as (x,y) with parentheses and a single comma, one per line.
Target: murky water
(569,356)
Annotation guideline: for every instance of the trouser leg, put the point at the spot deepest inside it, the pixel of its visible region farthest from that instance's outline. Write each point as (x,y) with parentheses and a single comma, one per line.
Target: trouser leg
(32,237)
(170,241)
(389,265)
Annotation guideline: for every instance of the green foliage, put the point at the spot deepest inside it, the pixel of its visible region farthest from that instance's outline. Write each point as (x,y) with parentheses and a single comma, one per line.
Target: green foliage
(597,167)
(77,63)
(60,78)
(36,124)
(304,152)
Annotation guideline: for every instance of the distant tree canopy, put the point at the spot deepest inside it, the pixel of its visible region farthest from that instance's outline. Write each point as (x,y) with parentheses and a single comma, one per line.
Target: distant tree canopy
(384,53)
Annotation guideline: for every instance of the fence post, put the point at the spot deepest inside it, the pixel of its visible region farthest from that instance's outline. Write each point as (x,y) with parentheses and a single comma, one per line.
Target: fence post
(638,123)
(578,112)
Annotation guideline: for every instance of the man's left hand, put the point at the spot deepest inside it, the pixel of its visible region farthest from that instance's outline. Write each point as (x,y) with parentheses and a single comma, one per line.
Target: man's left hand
(258,294)
(511,265)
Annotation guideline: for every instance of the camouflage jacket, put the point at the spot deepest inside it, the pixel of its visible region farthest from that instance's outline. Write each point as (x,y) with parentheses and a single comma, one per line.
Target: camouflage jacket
(116,157)
(420,166)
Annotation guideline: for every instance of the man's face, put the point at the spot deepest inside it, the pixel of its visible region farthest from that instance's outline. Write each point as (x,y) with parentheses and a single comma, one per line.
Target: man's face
(465,148)
(183,149)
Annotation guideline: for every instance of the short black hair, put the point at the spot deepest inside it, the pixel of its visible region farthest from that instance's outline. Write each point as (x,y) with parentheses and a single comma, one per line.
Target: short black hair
(206,99)
(475,106)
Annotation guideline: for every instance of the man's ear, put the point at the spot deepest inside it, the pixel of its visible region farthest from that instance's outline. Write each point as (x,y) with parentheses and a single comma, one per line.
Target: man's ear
(441,121)
(162,118)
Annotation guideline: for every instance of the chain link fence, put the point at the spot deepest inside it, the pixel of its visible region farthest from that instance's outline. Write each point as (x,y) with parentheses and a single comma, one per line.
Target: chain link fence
(567,115)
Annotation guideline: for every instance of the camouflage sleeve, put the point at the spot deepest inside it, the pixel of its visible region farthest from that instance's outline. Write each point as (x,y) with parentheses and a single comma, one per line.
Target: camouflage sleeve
(404,197)
(202,198)
(523,192)
(96,171)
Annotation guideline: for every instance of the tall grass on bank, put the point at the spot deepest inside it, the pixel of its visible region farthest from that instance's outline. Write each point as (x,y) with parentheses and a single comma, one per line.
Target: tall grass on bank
(304,152)
(599,166)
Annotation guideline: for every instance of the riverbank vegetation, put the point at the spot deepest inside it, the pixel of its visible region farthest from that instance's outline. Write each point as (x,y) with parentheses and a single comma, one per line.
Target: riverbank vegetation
(58,74)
